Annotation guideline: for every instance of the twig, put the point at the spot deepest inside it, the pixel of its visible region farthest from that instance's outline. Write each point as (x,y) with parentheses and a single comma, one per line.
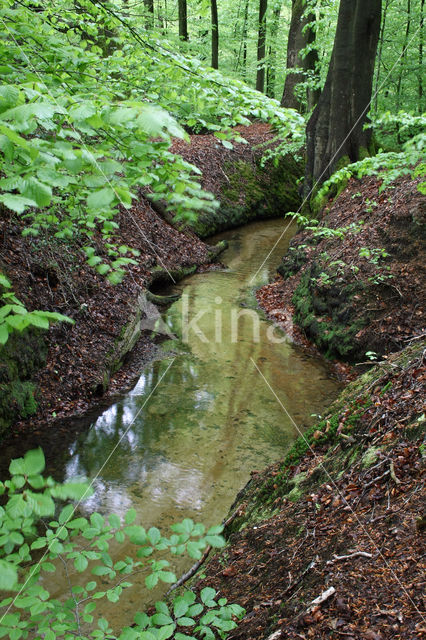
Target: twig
(393,474)
(364,554)
(386,473)
(325,595)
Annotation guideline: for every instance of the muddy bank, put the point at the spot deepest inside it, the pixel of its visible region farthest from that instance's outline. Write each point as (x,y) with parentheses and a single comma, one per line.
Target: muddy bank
(74,366)
(341,517)
(357,283)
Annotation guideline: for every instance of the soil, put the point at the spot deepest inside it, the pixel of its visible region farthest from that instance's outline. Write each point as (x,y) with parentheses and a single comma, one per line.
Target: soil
(365,291)
(345,520)
(46,276)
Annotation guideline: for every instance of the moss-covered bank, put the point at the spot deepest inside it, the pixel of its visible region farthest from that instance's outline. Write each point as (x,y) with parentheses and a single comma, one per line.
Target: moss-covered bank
(252,191)
(20,359)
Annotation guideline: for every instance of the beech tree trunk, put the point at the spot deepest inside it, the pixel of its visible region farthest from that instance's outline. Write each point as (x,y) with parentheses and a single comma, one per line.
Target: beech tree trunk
(421,30)
(261,46)
(272,52)
(334,133)
(183,20)
(215,34)
(300,35)
(149,6)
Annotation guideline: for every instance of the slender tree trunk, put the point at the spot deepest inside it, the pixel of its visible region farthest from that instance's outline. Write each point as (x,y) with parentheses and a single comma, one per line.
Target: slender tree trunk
(261,46)
(335,133)
(183,20)
(311,60)
(215,34)
(245,39)
(402,58)
(421,33)
(379,55)
(149,7)
(301,33)
(272,52)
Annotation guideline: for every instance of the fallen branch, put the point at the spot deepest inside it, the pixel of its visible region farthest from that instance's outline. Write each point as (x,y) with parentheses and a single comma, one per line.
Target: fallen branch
(364,554)
(393,474)
(386,473)
(325,595)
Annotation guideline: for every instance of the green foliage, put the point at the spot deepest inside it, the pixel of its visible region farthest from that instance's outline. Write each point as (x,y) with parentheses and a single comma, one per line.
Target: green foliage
(387,166)
(15,317)
(82,545)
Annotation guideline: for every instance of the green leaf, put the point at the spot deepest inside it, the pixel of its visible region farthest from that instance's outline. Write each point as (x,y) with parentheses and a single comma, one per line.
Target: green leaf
(8,575)
(185,622)
(215,541)
(154,535)
(38,191)
(80,563)
(114,521)
(66,513)
(4,333)
(161,619)
(17,203)
(34,462)
(207,594)
(151,580)
(100,199)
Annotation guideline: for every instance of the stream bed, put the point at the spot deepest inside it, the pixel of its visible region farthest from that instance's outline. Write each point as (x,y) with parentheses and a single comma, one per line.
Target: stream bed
(183,442)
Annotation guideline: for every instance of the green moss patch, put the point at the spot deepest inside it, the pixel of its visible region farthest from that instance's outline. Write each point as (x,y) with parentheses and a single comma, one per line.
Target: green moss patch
(22,356)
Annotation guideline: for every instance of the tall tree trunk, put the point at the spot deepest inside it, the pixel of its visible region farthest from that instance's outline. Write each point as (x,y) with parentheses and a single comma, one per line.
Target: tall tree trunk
(261,46)
(335,130)
(379,55)
(301,33)
(421,32)
(311,60)
(272,51)
(149,8)
(245,39)
(215,34)
(183,20)
(402,58)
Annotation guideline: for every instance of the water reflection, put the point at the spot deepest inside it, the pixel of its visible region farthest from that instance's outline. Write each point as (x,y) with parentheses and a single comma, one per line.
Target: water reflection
(186,449)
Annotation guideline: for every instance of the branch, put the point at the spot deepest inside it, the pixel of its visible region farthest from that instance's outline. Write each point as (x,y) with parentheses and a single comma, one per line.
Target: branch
(364,554)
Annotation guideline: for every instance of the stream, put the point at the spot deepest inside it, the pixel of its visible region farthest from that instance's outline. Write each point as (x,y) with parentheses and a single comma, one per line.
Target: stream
(183,442)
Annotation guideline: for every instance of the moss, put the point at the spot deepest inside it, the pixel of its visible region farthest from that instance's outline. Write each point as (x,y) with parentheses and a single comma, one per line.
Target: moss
(22,356)
(252,192)
(370,457)
(325,312)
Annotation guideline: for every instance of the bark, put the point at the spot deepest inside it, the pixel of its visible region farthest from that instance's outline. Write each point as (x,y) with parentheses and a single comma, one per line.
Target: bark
(261,46)
(421,30)
(335,130)
(149,7)
(183,20)
(301,33)
(215,34)
(379,54)
(403,57)
(272,52)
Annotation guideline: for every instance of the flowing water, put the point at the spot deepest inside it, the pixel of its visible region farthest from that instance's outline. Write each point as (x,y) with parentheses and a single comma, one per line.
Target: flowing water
(182,443)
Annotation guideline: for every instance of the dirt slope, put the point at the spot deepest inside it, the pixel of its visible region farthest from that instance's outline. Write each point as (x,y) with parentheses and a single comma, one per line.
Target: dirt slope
(342,517)
(363,288)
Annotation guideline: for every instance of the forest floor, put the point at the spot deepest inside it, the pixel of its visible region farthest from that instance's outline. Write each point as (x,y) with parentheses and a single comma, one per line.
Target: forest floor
(343,521)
